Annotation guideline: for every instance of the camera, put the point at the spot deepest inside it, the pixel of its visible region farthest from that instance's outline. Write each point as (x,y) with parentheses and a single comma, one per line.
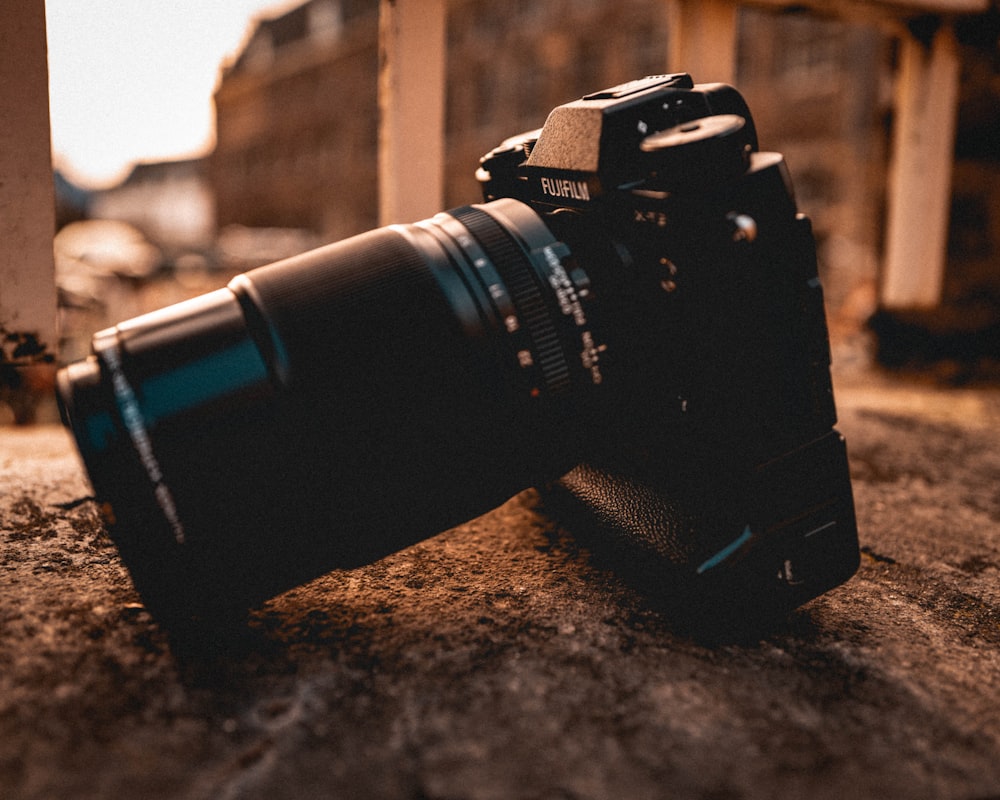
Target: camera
(630,321)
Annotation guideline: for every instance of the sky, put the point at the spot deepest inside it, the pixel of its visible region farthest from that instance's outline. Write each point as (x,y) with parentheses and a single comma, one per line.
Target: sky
(132,80)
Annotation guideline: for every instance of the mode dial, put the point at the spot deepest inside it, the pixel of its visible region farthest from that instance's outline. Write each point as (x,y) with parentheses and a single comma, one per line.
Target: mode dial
(698,154)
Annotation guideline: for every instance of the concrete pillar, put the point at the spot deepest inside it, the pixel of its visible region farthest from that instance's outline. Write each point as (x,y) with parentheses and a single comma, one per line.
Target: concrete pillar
(27,207)
(412,40)
(920,171)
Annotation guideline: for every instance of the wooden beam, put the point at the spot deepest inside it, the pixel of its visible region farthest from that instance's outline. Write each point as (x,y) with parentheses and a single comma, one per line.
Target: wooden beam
(412,40)
(919,197)
(27,204)
(878,10)
(703,39)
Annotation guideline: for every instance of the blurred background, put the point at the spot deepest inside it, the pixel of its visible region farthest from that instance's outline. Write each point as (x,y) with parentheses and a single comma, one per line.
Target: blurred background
(192,146)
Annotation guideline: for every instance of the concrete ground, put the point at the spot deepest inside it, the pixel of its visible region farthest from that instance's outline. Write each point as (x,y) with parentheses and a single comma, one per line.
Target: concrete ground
(503,660)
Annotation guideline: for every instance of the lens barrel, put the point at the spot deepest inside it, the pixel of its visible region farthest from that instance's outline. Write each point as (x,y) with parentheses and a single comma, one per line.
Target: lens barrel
(334,407)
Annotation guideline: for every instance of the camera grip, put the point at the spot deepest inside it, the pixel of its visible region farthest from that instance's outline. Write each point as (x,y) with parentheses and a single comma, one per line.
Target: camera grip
(739,543)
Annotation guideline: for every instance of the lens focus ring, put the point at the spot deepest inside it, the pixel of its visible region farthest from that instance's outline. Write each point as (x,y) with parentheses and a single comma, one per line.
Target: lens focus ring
(520,278)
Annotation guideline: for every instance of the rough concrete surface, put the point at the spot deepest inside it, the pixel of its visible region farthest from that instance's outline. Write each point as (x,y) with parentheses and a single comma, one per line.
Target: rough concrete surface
(502,660)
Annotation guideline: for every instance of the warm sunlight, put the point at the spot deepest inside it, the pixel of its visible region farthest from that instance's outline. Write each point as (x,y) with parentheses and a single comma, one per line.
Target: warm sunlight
(133,81)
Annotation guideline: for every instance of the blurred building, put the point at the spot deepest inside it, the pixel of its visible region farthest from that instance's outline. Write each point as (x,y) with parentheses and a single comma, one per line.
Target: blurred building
(297,109)
(820,89)
(296,122)
(974,238)
(510,64)
(171,202)
(297,116)
(72,201)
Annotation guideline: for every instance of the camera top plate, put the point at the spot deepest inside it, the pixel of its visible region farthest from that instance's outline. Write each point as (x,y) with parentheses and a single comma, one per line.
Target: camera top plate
(593,145)
(678,79)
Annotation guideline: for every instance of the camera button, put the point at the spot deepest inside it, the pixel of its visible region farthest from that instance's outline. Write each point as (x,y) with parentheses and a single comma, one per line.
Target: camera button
(742,226)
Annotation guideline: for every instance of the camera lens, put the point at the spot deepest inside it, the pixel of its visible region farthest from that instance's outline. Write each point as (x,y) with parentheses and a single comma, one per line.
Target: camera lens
(331,408)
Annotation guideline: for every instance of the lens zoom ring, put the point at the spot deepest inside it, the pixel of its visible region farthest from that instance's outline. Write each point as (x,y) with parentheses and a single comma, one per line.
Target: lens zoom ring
(519,276)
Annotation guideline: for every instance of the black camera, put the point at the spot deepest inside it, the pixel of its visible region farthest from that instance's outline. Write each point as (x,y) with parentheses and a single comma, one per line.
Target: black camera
(632,322)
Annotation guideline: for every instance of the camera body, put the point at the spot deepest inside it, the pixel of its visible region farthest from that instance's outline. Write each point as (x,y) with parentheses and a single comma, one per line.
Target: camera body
(632,322)
(716,460)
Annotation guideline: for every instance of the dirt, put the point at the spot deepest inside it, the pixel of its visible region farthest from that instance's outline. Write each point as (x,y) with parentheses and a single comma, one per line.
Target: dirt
(503,659)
